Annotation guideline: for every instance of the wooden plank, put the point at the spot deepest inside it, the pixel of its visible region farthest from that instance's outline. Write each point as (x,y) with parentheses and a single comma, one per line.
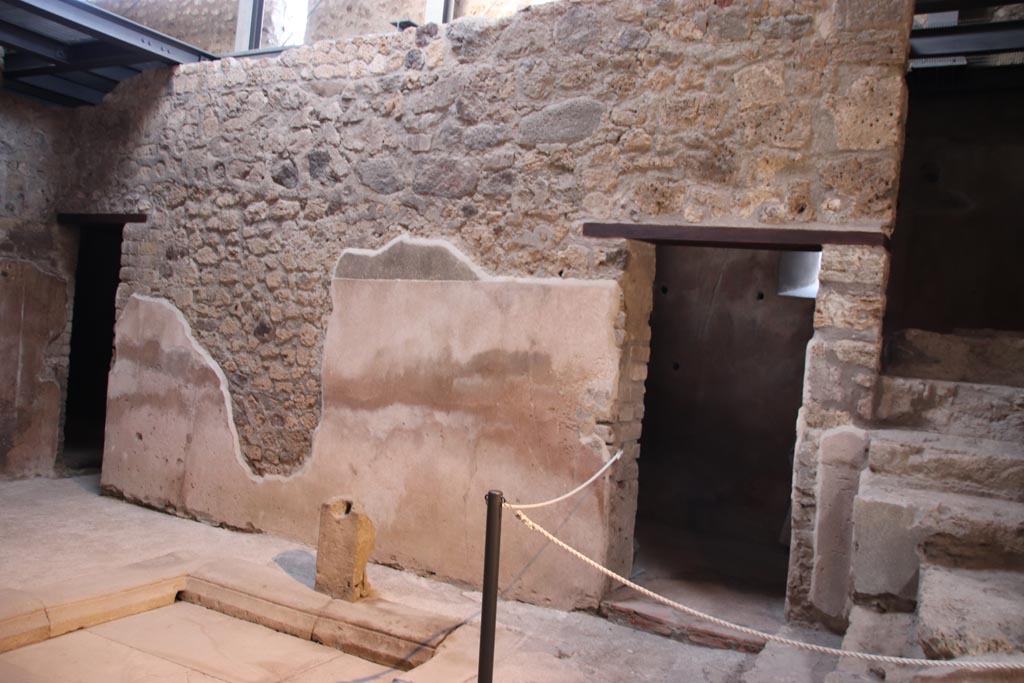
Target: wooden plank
(735,237)
(101,218)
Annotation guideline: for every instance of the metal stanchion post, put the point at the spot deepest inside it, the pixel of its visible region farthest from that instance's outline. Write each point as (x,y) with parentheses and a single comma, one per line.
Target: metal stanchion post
(489,608)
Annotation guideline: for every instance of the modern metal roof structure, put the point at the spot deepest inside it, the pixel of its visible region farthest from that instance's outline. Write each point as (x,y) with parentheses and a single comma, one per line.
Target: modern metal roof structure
(71,53)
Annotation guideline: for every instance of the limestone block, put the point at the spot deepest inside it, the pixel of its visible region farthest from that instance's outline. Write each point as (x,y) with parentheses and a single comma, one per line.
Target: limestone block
(853,263)
(858,15)
(346,541)
(885,561)
(854,311)
(760,84)
(867,116)
(843,452)
(259,594)
(970,612)
(23,620)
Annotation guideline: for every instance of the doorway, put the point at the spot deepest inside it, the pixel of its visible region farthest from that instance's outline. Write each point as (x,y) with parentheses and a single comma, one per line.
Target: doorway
(724,386)
(92,344)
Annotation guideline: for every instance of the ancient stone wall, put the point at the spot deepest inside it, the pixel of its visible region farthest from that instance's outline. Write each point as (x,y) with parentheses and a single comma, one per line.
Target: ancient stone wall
(207,24)
(332,19)
(492,9)
(37,261)
(502,138)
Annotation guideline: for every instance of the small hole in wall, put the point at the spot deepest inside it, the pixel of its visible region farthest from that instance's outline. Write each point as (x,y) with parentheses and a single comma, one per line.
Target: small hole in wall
(561,273)
(664,289)
(801,208)
(760,296)
(675,366)
(138,435)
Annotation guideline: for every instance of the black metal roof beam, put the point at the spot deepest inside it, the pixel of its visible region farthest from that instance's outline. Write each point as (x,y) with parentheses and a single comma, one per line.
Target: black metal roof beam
(110,27)
(43,94)
(33,43)
(80,57)
(932,6)
(969,39)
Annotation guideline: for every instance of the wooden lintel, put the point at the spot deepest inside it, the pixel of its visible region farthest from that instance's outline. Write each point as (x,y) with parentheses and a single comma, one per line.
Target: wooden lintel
(792,238)
(101,218)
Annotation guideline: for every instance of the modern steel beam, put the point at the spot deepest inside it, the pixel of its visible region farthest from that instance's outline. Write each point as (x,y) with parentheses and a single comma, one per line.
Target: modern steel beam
(932,6)
(111,28)
(968,39)
(78,58)
(33,43)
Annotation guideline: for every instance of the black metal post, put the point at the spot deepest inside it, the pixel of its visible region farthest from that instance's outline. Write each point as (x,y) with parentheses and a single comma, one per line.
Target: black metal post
(489,608)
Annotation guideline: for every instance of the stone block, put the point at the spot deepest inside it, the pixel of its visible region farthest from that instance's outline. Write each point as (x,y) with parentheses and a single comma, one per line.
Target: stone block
(346,541)
(843,453)
(867,116)
(380,175)
(965,612)
(23,620)
(885,561)
(760,84)
(858,15)
(445,177)
(565,122)
(855,264)
(852,311)
(258,594)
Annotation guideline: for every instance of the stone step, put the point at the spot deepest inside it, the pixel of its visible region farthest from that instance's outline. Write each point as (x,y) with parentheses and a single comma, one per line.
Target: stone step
(970,612)
(968,465)
(978,356)
(784,664)
(894,523)
(881,633)
(747,606)
(954,408)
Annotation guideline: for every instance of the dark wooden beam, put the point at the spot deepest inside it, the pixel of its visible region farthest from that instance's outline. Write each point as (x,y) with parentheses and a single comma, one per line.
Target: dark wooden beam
(803,239)
(101,218)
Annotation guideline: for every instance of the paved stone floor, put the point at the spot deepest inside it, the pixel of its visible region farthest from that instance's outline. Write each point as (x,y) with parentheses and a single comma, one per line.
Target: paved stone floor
(58,529)
(187,644)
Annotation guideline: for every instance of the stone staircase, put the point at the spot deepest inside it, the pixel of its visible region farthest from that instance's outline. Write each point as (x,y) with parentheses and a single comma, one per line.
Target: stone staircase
(937,560)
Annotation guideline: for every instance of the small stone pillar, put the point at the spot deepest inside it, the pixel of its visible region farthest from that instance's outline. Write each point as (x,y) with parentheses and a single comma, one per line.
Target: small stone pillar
(344,546)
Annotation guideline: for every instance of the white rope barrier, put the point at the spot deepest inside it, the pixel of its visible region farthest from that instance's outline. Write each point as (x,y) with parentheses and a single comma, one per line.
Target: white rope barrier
(768,637)
(572,493)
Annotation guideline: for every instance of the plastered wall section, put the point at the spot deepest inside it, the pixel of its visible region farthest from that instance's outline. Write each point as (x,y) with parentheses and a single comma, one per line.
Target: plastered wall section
(37,261)
(499,136)
(435,391)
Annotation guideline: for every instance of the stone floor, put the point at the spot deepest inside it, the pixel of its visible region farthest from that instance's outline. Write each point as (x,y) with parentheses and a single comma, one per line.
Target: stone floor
(58,530)
(735,580)
(187,644)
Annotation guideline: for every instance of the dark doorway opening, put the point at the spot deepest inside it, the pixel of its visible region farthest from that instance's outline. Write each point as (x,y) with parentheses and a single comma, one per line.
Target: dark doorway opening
(955,301)
(92,344)
(723,390)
